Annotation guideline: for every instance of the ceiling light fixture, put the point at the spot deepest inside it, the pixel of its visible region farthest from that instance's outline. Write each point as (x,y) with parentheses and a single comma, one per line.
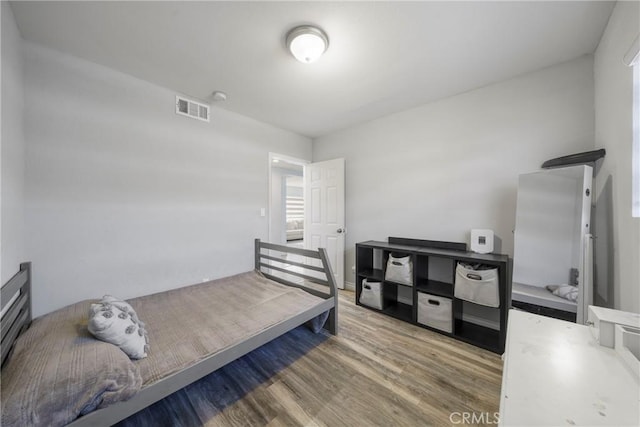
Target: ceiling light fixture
(307,43)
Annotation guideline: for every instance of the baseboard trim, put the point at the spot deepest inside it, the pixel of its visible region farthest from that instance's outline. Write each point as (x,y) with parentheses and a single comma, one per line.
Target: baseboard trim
(349,286)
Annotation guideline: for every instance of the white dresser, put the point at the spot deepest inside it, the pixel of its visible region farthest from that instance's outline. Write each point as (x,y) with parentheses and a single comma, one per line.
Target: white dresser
(557,374)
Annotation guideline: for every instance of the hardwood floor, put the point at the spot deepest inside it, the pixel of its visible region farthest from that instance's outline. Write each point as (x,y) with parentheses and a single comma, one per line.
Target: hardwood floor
(378,371)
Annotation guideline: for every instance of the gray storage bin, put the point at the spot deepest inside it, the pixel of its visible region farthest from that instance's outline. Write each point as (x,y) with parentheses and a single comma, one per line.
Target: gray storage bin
(371,294)
(435,311)
(479,286)
(399,269)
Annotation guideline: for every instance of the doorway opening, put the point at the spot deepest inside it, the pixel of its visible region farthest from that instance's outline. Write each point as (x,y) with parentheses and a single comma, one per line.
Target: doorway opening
(286,200)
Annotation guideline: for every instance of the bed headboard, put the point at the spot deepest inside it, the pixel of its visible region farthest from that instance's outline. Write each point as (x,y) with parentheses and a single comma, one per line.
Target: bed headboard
(300,268)
(15,298)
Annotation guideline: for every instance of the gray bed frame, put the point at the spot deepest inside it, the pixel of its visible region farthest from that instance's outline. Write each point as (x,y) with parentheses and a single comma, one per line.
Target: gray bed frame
(270,259)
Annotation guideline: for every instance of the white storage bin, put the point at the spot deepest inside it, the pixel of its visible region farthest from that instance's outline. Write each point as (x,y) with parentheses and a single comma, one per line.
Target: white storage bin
(477,286)
(399,270)
(371,294)
(435,311)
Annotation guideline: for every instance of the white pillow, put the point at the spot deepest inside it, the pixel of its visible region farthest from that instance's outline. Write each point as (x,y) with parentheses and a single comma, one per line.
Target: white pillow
(568,292)
(115,322)
(124,306)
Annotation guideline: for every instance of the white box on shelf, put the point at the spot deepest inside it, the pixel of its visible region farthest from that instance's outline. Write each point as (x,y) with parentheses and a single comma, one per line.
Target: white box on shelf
(435,311)
(371,294)
(399,269)
(482,241)
(477,286)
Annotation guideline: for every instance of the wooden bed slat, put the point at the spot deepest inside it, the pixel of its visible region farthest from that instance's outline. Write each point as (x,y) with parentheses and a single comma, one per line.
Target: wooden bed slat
(17,316)
(295,273)
(13,333)
(297,264)
(12,286)
(297,251)
(11,314)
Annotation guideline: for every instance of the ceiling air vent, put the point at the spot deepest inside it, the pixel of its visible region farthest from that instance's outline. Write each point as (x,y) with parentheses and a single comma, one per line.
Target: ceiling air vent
(189,108)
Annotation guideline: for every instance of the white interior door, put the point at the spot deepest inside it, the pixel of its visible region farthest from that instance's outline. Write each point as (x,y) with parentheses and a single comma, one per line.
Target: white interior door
(324,212)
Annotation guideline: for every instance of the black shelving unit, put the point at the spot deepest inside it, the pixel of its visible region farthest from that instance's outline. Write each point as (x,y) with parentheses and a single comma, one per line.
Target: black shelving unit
(434,265)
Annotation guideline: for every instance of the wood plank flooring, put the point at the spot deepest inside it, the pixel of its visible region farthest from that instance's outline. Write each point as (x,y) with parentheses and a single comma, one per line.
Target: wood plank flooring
(378,371)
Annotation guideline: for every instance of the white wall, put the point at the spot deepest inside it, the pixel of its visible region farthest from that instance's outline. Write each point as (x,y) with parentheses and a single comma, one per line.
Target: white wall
(613,131)
(123,196)
(12,149)
(439,170)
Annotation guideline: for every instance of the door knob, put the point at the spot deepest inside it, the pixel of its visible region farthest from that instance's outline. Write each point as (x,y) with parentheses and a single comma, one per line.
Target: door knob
(339,231)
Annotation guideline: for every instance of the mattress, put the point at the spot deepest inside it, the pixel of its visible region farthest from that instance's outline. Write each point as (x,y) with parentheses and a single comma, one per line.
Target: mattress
(541,296)
(188,324)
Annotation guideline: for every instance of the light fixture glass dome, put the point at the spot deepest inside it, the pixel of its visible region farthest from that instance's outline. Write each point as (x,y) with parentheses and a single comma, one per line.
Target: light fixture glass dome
(307,43)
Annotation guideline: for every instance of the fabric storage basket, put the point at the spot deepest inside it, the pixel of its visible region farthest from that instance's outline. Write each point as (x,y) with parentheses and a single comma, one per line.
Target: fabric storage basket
(435,311)
(371,294)
(477,284)
(399,270)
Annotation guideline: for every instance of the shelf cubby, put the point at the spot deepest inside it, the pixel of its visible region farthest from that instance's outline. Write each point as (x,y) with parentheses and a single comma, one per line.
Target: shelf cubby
(399,311)
(434,287)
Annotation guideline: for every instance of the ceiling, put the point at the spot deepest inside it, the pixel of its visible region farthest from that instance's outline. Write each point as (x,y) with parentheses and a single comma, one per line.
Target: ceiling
(383,57)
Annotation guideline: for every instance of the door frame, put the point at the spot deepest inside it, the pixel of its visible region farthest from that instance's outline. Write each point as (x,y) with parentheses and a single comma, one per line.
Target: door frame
(289,159)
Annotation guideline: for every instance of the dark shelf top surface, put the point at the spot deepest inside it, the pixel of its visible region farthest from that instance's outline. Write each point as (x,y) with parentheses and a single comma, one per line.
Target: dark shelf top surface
(371,273)
(446,253)
(434,287)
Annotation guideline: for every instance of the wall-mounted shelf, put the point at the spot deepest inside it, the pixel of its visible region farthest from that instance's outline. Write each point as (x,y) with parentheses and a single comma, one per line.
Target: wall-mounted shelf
(433,282)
